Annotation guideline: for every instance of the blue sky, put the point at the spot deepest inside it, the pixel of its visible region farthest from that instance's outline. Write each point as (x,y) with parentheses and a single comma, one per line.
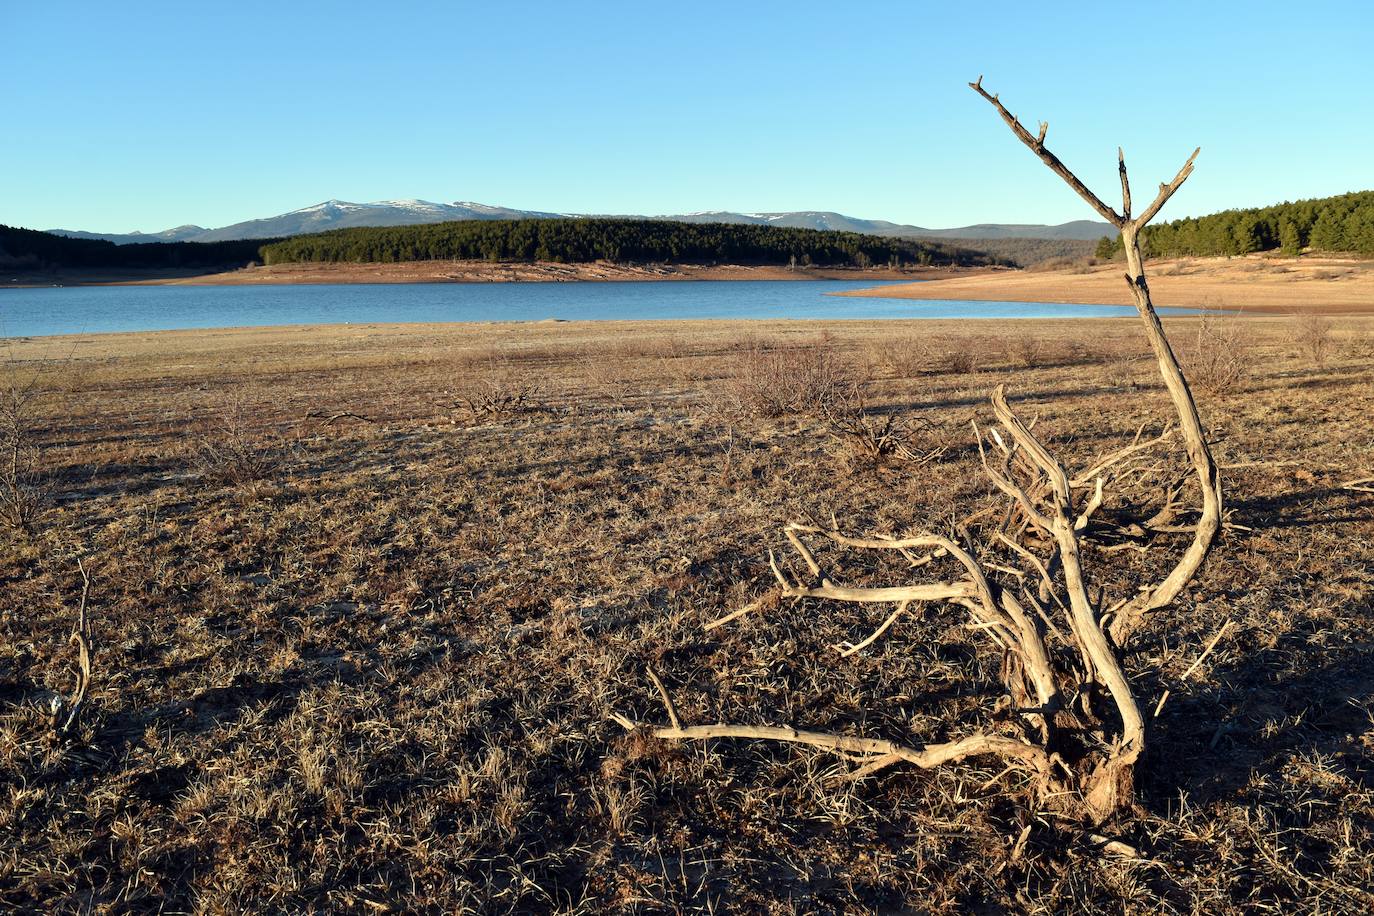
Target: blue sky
(144,115)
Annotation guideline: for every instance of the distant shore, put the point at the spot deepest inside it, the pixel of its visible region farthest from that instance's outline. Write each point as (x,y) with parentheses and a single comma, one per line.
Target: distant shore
(476,272)
(1333,286)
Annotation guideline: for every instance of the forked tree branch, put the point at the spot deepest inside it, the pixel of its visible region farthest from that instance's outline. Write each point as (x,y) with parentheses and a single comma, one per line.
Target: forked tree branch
(1166,190)
(1037,146)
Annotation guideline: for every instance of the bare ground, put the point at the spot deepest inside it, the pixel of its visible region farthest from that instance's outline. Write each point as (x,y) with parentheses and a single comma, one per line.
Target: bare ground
(365,665)
(1258,284)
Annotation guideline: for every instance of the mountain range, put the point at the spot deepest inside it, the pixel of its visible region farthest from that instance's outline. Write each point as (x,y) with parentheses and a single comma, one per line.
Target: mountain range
(342,214)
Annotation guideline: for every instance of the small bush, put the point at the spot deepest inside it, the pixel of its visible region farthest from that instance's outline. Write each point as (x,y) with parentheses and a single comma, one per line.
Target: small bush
(235,453)
(1222,355)
(25,485)
(903,357)
(771,381)
(961,355)
(1314,335)
(491,386)
(874,439)
(1028,350)
(1120,370)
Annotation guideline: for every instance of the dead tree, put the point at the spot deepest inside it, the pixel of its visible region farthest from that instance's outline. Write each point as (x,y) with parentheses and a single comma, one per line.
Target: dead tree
(1074,721)
(1194,439)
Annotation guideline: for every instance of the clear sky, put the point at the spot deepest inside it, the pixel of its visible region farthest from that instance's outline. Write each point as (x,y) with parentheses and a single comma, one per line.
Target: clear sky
(144,115)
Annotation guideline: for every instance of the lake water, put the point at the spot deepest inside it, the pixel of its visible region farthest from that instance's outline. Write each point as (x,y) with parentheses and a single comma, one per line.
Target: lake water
(103,309)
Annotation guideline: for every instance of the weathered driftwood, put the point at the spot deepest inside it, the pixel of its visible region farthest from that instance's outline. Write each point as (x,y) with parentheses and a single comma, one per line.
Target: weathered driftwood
(1075,722)
(1194,438)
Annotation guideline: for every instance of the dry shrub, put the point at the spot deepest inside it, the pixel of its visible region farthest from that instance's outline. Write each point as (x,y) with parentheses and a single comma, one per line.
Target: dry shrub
(1314,335)
(874,439)
(1120,370)
(492,385)
(903,357)
(1221,354)
(1029,350)
(236,452)
(963,355)
(1360,345)
(772,380)
(25,484)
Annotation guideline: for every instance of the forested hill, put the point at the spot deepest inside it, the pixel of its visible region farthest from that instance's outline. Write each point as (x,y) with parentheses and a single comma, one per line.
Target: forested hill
(1334,224)
(616,240)
(28,248)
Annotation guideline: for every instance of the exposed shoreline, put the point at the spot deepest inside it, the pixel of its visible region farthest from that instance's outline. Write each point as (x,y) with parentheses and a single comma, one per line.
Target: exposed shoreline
(476,272)
(1332,286)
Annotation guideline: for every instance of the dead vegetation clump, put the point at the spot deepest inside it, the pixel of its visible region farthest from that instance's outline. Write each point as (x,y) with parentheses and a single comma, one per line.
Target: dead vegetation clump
(903,356)
(876,438)
(771,379)
(1223,354)
(1315,335)
(236,451)
(25,482)
(493,385)
(1029,350)
(1073,265)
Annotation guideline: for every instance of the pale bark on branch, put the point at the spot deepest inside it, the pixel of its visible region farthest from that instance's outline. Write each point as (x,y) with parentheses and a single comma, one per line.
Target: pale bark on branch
(1195,440)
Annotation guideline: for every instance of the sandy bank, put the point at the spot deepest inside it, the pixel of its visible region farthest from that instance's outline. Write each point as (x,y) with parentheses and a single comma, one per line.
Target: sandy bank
(1271,285)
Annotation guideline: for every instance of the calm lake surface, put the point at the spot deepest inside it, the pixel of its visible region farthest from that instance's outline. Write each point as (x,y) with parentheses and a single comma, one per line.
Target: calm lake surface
(103,309)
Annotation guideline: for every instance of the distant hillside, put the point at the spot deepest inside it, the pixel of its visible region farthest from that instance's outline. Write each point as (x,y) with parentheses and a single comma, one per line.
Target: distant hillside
(1030,252)
(1344,223)
(1081,229)
(179,234)
(28,249)
(342,214)
(619,240)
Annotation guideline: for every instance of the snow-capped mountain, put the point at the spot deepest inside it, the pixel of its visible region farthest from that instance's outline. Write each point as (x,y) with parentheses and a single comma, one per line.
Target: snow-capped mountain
(343,214)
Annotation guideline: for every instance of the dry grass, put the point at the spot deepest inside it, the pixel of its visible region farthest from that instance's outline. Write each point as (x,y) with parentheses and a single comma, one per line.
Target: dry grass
(379,676)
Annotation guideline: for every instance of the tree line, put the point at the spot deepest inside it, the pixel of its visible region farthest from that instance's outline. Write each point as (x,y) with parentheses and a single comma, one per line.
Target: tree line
(616,240)
(29,248)
(1344,223)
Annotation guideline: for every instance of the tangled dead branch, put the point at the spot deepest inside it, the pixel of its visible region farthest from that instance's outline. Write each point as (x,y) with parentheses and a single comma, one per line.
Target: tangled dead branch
(1073,721)
(876,439)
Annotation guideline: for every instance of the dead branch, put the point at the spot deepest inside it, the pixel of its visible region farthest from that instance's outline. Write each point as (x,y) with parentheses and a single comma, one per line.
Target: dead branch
(849,649)
(67,713)
(331,418)
(870,750)
(1037,146)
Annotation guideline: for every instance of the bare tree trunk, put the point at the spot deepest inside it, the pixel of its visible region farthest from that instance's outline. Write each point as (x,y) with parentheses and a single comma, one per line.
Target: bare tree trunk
(1194,441)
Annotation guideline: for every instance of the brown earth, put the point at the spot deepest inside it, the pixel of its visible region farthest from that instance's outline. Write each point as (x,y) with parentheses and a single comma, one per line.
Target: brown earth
(357,642)
(1331,286)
